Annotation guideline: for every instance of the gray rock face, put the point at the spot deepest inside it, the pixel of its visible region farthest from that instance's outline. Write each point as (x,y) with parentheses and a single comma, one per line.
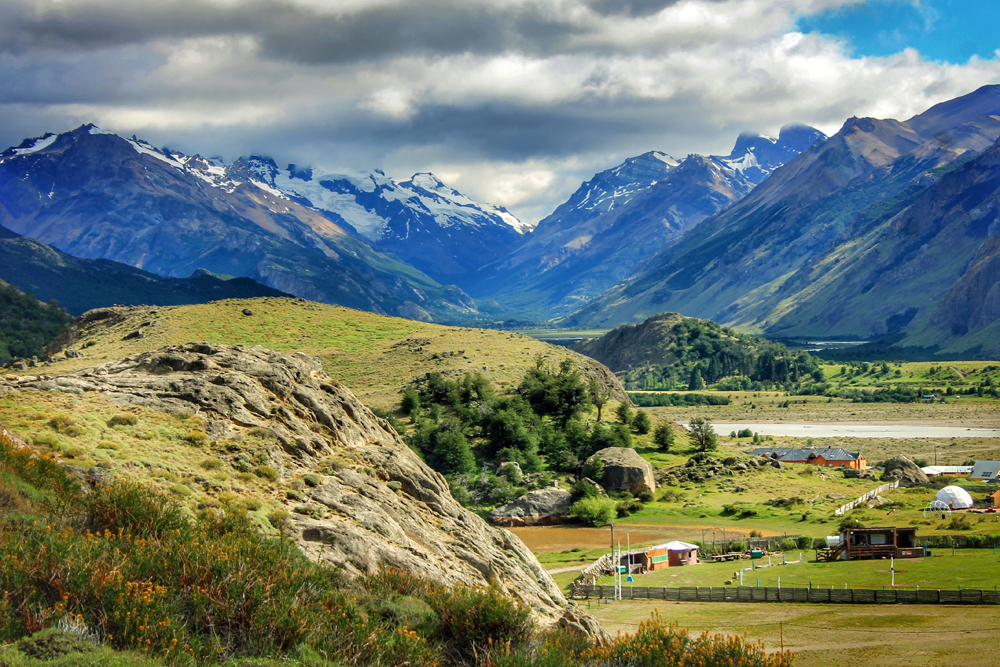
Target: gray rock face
(624,470)
(906,471)
(544,507)
(386,507)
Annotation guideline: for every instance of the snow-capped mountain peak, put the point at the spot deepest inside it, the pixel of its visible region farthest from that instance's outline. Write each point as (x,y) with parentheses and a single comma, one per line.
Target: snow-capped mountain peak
(755,156)
(421,220)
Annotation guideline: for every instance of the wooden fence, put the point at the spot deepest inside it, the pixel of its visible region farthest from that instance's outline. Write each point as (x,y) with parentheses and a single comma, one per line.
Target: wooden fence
(771,594)
(865,498)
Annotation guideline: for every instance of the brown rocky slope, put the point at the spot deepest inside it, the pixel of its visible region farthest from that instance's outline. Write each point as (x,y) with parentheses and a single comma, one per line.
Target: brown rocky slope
(377,504)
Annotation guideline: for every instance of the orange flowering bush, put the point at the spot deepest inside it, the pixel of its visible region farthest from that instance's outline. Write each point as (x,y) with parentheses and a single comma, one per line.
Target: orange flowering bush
(657,644)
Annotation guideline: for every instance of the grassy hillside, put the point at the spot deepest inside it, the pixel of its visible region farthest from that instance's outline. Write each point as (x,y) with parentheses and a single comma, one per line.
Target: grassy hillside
(374,355)
(670,351)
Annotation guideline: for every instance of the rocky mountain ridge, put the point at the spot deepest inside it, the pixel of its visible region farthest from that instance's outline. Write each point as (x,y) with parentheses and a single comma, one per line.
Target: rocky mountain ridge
(93,194)
(861,235)
(622,215)
(79,285)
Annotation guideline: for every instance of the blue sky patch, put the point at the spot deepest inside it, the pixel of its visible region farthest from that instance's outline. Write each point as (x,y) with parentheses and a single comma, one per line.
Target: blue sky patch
(941,30)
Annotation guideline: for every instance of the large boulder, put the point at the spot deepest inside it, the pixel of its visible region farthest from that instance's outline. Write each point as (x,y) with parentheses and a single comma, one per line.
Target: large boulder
(544,507)
(624,470)
(906,471)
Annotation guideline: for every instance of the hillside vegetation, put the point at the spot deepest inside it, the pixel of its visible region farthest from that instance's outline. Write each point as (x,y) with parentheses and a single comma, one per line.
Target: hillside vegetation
(669,351)
(26,324)
(376,356)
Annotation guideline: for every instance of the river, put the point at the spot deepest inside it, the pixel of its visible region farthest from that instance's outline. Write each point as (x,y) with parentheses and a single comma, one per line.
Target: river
(843,430)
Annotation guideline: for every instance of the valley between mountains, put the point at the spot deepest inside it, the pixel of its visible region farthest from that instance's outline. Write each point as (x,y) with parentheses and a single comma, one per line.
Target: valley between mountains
(283,415)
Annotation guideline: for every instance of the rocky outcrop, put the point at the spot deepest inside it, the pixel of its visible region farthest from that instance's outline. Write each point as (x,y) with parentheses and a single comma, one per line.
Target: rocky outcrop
(624,470)
(906,471)
(544,507)
(702,466)
(381,505)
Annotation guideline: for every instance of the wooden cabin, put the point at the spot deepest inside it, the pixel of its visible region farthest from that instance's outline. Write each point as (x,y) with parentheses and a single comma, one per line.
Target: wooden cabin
(872,543)
(672,554)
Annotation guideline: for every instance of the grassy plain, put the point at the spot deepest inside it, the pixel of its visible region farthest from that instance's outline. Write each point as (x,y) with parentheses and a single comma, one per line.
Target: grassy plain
(832,635)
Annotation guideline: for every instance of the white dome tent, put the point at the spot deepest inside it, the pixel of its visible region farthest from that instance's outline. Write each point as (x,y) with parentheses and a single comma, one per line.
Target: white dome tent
(954,497)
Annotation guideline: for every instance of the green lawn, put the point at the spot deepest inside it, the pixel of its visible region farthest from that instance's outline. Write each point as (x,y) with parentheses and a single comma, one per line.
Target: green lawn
(968,568)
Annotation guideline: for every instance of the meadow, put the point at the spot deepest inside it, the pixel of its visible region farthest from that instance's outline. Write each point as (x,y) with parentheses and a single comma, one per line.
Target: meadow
(831,635)
(375,356)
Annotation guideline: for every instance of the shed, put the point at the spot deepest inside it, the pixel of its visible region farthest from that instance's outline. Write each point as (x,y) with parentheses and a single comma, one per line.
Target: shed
(672,554)
(955,497)
(994,499)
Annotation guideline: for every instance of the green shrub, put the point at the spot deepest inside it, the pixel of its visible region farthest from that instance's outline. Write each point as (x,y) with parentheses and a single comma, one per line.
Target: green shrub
(641,422)
(645,496)
(626,507)
(593,468)
(268,473)
(787,544)
(54,643)
(582,489)
(656,643)
(848,523)
(123,419)
(278,518)
(596,511)
(311,479)
(196,438)
(804,542)
(471,619)
(211,464)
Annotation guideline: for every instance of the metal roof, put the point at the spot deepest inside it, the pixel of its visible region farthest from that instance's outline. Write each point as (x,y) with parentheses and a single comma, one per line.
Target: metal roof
(803,453)
(985,470)
(947,470)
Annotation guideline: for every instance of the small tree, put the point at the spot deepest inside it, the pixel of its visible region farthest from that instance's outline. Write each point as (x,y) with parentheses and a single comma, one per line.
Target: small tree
(598,396)
(624,412)
(696,383)
(594,469)
(596,511)
(663,437)
(641,423)
(702,433)
(410,403)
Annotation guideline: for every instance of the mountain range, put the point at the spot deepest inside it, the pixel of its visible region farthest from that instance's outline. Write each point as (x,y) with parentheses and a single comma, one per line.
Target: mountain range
(886,228)
(621,216)
(82,284)
(93,194)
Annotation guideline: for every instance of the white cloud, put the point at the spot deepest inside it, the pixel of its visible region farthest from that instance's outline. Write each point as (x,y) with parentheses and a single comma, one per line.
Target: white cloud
(512,102)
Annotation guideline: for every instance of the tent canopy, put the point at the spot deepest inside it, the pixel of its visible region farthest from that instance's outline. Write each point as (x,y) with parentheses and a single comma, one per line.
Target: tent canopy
(955,497)
(676,545)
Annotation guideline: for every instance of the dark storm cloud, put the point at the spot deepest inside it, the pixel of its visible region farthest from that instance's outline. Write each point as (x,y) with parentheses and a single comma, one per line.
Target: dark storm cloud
(633,8)
(292,33)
